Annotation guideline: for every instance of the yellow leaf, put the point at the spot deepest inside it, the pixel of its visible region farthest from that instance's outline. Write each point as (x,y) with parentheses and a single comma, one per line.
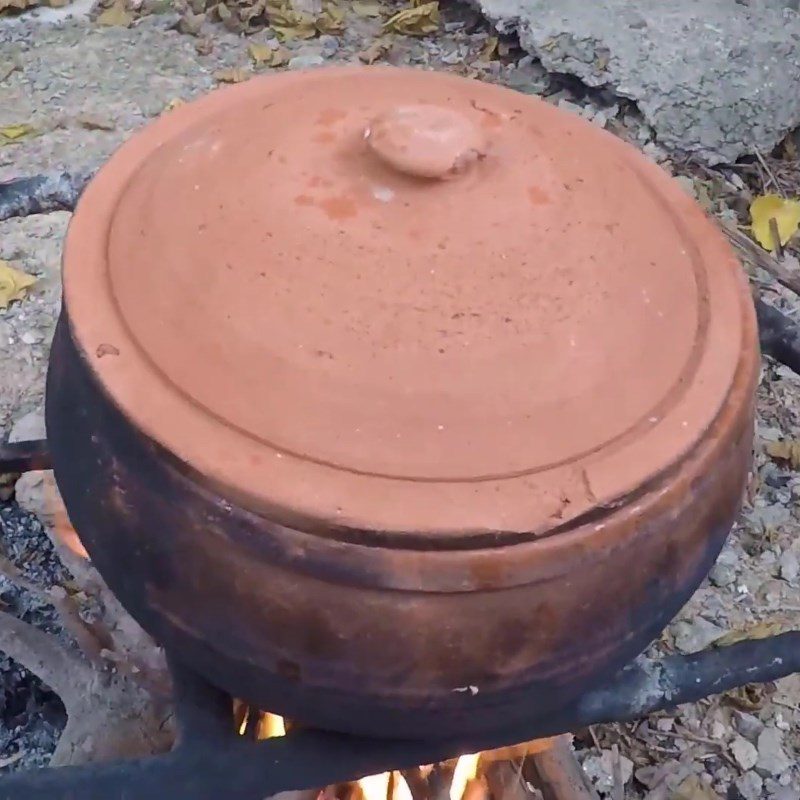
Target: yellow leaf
(785,212)
(788,450)
(232,75)
(13,133)
(13,283)
(331,20)
(761,630)
(116,16)
(489,49)
(419,20)
(366,8)
(289,24)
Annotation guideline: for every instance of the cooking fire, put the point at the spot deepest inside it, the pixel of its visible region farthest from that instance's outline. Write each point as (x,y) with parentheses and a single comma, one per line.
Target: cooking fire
(403,405)
(499,774)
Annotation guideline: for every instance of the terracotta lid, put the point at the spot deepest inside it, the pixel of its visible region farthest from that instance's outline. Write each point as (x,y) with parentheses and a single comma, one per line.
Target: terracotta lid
(404,302)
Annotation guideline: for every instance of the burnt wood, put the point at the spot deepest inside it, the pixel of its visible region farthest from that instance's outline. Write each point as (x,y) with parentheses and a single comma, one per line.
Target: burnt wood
(211,761)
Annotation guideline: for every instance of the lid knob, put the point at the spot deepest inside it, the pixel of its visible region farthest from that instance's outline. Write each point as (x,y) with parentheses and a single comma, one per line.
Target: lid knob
(426,141)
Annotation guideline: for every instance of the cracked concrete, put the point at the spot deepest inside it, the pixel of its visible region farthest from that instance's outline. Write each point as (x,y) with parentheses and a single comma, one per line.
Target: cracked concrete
(716,79)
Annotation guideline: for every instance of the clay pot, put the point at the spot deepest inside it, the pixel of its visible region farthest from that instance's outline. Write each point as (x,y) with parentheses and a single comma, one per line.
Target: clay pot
(396,402)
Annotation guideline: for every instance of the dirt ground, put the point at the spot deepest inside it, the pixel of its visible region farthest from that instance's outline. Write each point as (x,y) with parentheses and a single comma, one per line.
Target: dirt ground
(85,88)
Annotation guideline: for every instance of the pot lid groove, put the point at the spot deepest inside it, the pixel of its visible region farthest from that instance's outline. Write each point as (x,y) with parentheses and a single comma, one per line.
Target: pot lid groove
(401,300)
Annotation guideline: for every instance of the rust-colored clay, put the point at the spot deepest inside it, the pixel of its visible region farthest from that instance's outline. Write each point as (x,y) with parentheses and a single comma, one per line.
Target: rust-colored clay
(386,397)
(339,341)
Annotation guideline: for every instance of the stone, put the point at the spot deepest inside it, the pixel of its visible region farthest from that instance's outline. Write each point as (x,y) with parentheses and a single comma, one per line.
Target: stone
(600,770)
(772,758)
(31,337)
(783,793)
(30,426)
(750,786)
(329,45)
(718,730)
(306,61)
(694,635)
(747,725)
(722,575)
(787,691)
(789,566)
(694,788)
(714,78)
(744,752)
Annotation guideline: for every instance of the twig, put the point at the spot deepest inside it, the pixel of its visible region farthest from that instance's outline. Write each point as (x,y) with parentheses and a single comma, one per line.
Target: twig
(506,782)
(87,638)
(618,792)
(24,456)
(558,774)
(65,672)
(752,253)
(67,610)
(41,194)
(770,174)
(417,784)
(775,233)
(685,734)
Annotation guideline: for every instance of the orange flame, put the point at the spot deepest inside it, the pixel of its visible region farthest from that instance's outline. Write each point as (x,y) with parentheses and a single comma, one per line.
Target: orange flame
(376,787)
(271,725)
(465,771)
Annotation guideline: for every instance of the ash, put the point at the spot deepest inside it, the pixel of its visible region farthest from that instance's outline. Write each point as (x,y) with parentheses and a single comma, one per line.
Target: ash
(31,715)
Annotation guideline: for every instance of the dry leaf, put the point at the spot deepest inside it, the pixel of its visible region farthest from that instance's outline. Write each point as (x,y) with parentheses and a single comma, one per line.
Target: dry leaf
(489,49)
(694,789)
(263,54)
(13,283)
(785,212)
(420,20)
(173,104)
(331,20)
(191,24)
(378,49)
(95,123)
(232,75)
(260,53)
(14,133)
(6,70)
(366,8)
(788,450)
(289,24)
(761,630)
(204,47)
(16,5)
(116,16)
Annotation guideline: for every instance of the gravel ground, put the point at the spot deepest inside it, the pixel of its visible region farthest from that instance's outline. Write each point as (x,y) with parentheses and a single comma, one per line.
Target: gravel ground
(86,88)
